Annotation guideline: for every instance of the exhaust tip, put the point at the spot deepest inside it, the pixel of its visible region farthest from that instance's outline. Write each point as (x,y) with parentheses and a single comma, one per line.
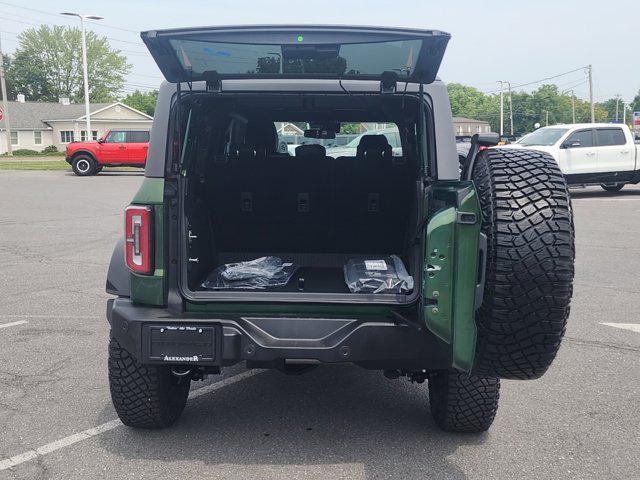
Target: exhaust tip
(180,372)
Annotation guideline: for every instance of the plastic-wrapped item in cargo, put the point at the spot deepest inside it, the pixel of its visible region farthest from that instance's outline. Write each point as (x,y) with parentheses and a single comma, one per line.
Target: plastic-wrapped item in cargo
(263,272)
(377,275)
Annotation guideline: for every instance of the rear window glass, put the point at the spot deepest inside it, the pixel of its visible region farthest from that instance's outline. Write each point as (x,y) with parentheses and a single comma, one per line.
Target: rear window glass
(610,136)
(291,135)
(359,59)
(138,137)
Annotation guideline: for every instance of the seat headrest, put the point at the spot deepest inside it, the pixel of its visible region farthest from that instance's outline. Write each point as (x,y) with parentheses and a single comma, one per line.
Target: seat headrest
(374,145)
(261,134)
(311,150)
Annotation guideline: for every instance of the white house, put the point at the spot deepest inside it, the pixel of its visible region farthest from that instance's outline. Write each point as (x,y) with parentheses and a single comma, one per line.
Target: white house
(36,125)
(469,126)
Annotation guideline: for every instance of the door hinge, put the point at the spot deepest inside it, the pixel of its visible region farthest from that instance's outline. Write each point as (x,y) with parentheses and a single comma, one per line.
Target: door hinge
(214,83)
(388,82)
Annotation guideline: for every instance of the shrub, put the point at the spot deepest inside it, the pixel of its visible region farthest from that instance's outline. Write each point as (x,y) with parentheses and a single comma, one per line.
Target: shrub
(50,149)
(25,152)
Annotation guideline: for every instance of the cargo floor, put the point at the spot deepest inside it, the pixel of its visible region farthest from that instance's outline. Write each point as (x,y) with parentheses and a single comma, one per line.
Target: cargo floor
(313,280)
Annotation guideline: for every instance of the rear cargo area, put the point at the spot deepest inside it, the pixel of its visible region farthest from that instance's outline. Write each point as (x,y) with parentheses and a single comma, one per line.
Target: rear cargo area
(244,199)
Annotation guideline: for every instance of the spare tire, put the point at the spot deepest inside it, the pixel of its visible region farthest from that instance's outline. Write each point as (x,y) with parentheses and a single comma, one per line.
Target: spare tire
(612,187)
(528,222)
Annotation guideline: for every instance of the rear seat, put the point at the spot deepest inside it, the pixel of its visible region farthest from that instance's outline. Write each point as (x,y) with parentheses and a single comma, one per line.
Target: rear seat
(372,192)
(240,197)
(258,193)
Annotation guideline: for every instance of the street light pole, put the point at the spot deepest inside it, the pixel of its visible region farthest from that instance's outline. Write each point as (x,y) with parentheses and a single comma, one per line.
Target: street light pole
(85,73)
(510,109)
(593,111)
(5,105)
(501,107)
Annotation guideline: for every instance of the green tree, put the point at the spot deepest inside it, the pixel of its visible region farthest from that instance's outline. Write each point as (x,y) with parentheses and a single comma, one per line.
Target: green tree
(609,106)
(6,61)
(528,108)
(635,103)
(47,65)
(143,101)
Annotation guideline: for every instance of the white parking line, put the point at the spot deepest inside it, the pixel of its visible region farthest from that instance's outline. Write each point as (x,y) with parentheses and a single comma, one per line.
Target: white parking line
(10,315)
(105,427)
(13,324)
(634,327)
(592,199)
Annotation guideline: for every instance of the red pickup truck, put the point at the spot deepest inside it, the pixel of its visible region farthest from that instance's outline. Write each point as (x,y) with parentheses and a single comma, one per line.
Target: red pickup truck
(117,148)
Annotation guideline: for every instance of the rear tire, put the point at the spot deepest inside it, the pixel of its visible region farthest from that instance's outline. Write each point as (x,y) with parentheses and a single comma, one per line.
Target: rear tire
(463,403)
(528,221)
(144,396)
(616,187)
(83,166)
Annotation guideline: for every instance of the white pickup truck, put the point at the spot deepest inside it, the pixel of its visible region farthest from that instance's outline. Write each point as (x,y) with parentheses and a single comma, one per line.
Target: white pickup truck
(589,153)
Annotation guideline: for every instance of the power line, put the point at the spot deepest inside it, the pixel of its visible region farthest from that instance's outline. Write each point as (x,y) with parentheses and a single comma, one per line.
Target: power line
(138,44)
(58,15)
(538,81)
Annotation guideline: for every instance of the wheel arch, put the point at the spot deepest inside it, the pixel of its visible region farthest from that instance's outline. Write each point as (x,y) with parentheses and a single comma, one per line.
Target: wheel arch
(88,153)
(118,278)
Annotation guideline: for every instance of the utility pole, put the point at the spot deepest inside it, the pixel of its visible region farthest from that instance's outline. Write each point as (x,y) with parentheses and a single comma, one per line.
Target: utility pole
(501,107)
(510,109)
(5,105)
(547,114)
(617,102)
(624,113)
(84,66)
(593,112)
(573,107)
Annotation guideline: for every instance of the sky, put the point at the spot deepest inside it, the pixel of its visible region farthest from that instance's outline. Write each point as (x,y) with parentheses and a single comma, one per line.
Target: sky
(515,41)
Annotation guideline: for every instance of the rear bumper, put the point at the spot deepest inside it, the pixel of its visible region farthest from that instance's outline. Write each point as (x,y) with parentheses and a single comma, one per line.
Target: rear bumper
(272,341)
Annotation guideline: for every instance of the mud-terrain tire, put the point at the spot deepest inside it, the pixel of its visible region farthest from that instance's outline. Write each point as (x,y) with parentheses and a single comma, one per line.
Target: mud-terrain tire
(528,222)
(615,187)
(144,396)
(83,165)
(463,403)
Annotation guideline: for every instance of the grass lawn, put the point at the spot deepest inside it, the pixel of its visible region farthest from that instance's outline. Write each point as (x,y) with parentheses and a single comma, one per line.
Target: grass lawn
(34,165)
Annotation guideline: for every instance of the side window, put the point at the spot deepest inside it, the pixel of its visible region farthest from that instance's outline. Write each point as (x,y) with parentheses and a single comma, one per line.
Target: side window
(116,137)
(138,137)
(583,138)
(610,136)
(391,138)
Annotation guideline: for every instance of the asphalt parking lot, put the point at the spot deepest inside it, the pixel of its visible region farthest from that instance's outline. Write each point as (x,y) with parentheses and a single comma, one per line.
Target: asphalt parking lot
(57,232)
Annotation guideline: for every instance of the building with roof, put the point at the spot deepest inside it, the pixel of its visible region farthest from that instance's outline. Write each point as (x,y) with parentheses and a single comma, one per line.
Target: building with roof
(37,125)
(468,126)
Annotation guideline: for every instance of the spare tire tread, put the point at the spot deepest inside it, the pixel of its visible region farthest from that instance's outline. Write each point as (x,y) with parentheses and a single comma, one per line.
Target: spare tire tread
(528,221)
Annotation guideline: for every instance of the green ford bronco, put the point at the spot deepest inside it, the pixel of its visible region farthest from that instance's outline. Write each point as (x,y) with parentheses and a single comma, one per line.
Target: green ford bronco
(396,258)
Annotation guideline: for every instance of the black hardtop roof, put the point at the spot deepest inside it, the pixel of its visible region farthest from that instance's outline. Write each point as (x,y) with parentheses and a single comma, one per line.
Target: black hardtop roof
(197,53)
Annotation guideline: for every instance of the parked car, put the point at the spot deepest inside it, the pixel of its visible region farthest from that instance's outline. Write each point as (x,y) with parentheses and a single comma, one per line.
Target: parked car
(118,148)
(234,252)
(589,153)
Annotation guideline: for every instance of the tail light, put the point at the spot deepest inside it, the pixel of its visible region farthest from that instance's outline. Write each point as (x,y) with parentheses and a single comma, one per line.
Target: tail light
(138,230)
